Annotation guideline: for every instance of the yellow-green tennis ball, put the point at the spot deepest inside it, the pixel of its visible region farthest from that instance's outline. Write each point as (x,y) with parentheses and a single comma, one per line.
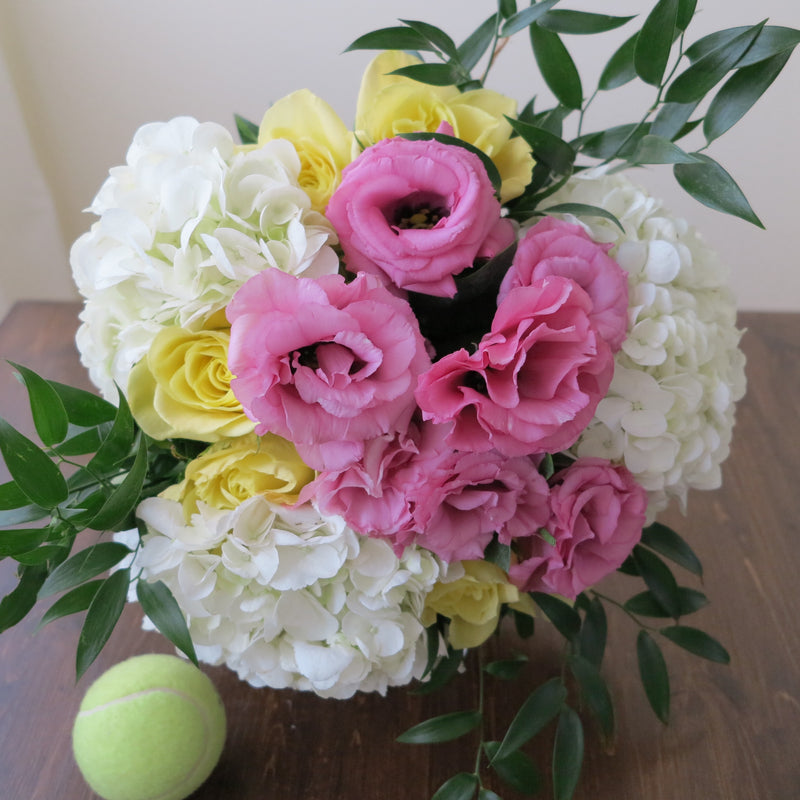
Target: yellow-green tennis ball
(151,727)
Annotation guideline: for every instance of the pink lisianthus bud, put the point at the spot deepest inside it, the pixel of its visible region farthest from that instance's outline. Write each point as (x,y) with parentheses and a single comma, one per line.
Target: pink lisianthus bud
(415,212)
(596,518)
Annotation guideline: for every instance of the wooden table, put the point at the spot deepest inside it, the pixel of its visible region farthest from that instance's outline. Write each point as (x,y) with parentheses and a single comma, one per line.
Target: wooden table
(735,733)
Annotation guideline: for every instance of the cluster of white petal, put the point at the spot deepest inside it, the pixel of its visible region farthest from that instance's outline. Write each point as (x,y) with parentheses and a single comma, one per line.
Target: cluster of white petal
(289,598)
(183,224)
(669,413)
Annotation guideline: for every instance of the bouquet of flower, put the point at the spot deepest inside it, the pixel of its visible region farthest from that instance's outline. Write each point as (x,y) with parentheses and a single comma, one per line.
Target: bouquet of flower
(369,392)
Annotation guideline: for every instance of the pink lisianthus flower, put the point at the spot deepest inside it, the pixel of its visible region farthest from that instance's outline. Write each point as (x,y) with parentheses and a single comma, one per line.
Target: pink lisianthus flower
(596,518)
(474,495)
(377,495)
(535,380)
(416,213)
(324,363)
(556,247)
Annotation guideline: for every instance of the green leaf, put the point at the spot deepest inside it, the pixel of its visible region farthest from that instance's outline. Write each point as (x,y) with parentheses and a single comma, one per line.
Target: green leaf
(491,169)
(397,37)
(620,68)
(477,43)
(567,754)
(566,619)
(160,605)
(11,496)
(697,642)
(659,579)
(47,410)
(41,555)
(740,93)
(81,442)
(594,631)
(488,794)
(459,787)
(432,74)
(526,17)
(664,540)
(580,22)
(507,669)
(654,675)
(499,554)
(21,540)
(771,41)
(686,9)
(523,624)
(86,564)
(442,673)
(596,696)
(73,602)
(104,611)
(516,769)
(432,638)
(628,567)
(653,149)
(436,36)
(645,604)
(654,42)
(583,210)
(557,67)
(712,186)
(547,147)
(18,516)
(125,496)
(698,79)
(542,705)
(248,131)
(443,728)
(613,142)
(507,8)
(31,468)
(83,408)
(17,603)
(117,445)
(671,118)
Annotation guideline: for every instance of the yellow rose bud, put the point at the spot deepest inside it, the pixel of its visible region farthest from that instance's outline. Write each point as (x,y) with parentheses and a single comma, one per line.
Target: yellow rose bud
(473,603)
(181,388)
(233,470)
(323,143)
(392,104)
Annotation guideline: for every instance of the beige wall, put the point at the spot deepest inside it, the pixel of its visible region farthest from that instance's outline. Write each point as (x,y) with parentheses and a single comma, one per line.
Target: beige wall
(79,76)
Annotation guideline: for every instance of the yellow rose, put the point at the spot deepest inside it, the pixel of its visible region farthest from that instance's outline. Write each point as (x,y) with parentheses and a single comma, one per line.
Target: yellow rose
(473,603)
(392,104)
(181,388)
(322,141)
(233,470)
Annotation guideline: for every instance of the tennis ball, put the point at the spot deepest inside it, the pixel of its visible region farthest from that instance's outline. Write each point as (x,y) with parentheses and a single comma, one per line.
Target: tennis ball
(151,727)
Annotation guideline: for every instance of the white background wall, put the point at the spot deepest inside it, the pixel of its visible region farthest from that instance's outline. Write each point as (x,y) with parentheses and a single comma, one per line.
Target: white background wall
(79,76)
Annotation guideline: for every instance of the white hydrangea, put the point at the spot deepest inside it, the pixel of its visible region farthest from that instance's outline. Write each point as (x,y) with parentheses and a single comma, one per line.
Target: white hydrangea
(289,598)
(183,224)
(669,413)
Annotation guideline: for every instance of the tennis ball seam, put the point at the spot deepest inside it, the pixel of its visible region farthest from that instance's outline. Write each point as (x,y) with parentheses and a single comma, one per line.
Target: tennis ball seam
(207,738)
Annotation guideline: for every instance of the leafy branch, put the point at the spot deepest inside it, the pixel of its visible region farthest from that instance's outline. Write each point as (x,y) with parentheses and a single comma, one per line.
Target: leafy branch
(112,466)
(746,58)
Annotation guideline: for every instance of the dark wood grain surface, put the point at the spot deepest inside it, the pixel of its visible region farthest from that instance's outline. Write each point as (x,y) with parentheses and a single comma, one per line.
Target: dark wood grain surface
(735,731)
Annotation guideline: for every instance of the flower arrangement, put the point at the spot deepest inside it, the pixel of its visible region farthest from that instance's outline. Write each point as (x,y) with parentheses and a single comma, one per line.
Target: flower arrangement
(371,394)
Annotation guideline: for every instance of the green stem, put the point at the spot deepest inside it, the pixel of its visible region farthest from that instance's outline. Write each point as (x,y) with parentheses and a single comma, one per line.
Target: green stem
(616,603)
(480,711)
(583,111)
